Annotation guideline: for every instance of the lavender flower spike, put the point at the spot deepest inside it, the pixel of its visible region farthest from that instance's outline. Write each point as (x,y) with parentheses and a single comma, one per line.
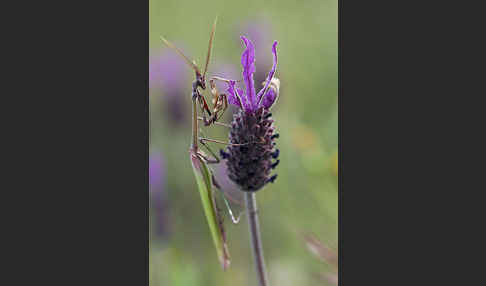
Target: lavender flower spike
(250,164)
(265,97)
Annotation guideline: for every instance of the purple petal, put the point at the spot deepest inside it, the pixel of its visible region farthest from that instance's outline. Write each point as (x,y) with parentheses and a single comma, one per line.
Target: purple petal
(271,73)
(260,31)
(248,62)
(240,93)
(269,98)
(256,29)
(232,98)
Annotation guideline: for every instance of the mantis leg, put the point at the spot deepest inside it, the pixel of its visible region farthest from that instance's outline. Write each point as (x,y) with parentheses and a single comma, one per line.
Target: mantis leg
(204,104)
(224,99)
(214,160)
(202,139)
(216,122)
(205,107)
(221,79)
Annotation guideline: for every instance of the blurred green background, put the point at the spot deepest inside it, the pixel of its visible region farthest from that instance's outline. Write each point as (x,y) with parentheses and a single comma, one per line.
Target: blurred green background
(304,198)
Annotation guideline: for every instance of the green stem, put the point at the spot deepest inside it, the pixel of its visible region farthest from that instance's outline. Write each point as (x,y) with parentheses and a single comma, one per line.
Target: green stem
(256,242)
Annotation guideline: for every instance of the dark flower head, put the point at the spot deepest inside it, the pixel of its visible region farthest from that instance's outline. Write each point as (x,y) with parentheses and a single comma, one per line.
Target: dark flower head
(249,161)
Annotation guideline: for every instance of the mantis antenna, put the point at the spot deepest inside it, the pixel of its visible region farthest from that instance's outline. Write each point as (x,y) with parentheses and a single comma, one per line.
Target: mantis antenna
(210,46)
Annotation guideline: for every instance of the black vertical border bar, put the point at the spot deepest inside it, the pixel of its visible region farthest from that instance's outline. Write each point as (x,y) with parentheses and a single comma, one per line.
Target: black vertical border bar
(407,69)
(381,58)
(81,143)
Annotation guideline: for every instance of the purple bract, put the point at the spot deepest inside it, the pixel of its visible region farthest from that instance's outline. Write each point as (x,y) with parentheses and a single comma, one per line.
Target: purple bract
(250,101)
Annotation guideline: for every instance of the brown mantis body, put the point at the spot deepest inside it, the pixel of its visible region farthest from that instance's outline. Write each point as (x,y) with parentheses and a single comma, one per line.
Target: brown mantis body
(219,103)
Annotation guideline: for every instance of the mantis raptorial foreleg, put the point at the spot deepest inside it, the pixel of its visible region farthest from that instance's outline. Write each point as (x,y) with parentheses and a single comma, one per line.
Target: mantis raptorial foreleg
(216,122)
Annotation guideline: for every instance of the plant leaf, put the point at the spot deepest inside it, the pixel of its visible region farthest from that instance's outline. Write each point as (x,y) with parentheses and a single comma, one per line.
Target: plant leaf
(204,183)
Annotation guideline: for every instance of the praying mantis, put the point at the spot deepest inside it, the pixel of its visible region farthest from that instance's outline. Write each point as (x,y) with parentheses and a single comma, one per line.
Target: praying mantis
(200,160)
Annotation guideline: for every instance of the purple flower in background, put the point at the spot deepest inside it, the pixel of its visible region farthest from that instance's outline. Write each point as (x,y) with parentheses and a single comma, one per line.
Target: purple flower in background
(168,76)
(249,161)
(156,171)
(158,195)
(166,71)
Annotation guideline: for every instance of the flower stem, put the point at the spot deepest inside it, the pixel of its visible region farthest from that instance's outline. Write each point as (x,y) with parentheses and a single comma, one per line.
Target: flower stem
(256,242)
